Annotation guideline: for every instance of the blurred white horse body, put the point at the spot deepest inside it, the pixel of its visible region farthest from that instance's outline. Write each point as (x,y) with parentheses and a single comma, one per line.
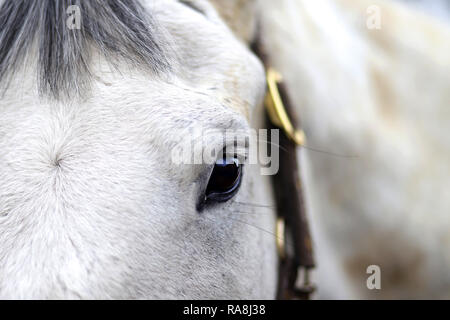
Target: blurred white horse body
(379,97)
(92,207)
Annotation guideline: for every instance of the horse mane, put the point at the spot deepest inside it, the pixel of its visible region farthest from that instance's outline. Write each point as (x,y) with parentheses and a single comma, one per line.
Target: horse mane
(118,28)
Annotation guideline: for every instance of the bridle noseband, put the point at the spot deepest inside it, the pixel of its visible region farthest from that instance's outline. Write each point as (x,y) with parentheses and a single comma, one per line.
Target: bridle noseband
(292,224)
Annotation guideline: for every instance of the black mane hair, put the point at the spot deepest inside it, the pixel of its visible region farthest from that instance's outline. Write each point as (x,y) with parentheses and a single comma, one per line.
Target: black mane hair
(118,28)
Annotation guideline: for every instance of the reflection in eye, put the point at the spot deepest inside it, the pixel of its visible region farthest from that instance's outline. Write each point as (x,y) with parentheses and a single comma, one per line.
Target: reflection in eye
(225,180)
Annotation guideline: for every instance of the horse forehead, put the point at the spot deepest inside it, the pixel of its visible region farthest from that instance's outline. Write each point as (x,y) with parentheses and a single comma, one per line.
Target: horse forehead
(215,82)
(212,72)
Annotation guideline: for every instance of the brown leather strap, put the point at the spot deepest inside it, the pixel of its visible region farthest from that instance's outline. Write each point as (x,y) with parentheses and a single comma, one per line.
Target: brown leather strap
(290,206)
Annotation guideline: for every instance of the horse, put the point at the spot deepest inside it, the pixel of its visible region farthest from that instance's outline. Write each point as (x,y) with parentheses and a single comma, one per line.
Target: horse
(92,205)
(96,95)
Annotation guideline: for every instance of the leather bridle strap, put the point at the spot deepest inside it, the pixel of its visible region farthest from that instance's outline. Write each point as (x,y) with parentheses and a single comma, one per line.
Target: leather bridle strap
(293,237)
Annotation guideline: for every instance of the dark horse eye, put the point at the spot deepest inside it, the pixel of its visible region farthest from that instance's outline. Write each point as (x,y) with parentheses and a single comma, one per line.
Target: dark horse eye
(225,180)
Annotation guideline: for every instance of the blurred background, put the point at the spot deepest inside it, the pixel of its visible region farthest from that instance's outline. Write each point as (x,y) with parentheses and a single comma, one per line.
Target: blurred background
(371,82)
(437,8)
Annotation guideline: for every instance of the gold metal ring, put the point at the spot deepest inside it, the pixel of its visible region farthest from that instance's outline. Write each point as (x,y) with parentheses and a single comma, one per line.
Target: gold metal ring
(276,110)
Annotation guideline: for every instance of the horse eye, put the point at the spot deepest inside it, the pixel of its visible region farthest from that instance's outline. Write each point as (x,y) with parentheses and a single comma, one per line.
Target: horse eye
(225,180)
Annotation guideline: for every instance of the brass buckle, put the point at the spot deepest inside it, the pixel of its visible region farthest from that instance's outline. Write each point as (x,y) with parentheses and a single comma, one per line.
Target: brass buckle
(276,110)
